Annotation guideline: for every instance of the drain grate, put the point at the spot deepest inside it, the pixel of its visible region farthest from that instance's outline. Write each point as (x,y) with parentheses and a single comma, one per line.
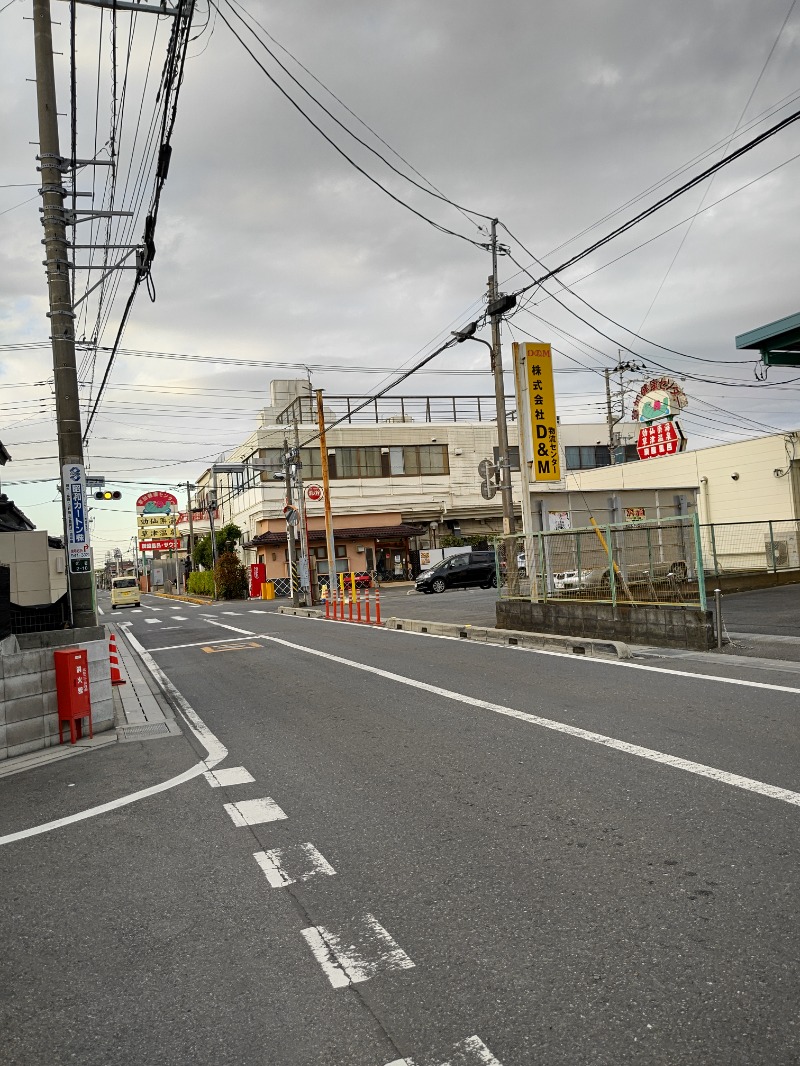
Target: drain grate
(147,731)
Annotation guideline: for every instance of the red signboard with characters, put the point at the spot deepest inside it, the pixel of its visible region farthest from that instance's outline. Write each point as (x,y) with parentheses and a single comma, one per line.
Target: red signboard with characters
(168,545)
(258,575)
(314,493)
(662,438)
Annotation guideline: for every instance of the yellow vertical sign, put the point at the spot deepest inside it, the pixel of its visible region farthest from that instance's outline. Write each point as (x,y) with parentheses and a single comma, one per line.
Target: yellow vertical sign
(544,425)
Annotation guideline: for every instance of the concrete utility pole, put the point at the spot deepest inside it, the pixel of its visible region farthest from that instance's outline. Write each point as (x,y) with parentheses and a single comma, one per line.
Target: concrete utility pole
(509,522)
(622,368)
(287,475)
(189,487)
(609,415)
(305,561)
(330,547)
(61,315)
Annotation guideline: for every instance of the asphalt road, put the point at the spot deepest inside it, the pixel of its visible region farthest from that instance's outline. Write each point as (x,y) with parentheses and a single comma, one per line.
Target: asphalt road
(495,856)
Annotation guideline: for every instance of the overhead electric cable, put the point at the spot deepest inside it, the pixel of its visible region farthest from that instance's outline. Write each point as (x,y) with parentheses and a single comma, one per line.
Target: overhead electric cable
(747,147)
(428,191)
(708,187)
(341,151)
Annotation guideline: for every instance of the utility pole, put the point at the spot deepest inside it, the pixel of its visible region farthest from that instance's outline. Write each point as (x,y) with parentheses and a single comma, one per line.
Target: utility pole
(61,315)
(305,561)
(330,547)
(189,488)
(287,475)
(609,415)
(622,368)
(496,314)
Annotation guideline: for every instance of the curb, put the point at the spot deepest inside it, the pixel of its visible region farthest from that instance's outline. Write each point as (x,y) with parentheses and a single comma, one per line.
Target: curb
(597,649)
(303,612)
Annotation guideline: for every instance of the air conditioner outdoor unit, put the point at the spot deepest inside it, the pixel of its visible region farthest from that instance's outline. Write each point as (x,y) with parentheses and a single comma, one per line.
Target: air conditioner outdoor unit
(782,551)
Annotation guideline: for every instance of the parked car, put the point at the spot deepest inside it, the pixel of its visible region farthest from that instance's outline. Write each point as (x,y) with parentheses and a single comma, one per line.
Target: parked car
(676,571)
(571,579)
(459,571)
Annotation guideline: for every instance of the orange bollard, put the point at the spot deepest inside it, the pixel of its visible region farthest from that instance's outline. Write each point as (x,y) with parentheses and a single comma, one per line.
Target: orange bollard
(377,607)
(327,608)
(366,605)
(349,610)
(358,608)
(116,676)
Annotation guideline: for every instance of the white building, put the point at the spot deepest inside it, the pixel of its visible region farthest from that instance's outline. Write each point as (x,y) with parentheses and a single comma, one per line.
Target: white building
(404,475)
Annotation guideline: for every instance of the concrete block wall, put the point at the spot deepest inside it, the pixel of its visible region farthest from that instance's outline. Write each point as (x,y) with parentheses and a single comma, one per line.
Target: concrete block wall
(28,705)
(657,624)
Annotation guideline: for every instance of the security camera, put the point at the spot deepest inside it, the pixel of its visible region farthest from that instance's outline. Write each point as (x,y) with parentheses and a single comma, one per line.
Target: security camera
(735,476)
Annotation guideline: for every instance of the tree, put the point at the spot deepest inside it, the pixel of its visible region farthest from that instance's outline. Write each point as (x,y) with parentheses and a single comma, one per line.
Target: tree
(230,577)
(202,549)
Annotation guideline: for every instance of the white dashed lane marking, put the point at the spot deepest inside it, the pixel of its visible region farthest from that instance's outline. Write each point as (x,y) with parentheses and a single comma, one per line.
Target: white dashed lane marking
(153,621)
(298,862)
(234,775)
(371,951)
(254,812)
(180,617)
(469,1052)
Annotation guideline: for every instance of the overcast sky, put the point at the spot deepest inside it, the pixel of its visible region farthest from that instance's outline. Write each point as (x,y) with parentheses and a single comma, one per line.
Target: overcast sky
(272,248)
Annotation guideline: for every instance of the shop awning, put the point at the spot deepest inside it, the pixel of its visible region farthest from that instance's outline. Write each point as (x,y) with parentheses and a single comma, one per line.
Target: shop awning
(317,536)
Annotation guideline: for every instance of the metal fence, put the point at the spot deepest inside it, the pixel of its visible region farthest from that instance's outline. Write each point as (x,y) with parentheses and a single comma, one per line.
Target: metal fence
(750,547)
(642,562)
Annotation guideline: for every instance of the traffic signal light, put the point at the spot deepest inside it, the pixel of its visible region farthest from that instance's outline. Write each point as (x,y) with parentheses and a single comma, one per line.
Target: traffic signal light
(108,495)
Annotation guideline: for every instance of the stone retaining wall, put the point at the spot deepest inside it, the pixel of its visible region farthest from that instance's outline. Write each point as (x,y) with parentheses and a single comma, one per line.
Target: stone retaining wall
(658,624)
(28,707)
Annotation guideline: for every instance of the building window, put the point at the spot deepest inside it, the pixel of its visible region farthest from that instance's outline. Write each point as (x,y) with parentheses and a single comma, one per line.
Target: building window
(587,457)
(358,462)
(513,456)
(418,460)
(274,460)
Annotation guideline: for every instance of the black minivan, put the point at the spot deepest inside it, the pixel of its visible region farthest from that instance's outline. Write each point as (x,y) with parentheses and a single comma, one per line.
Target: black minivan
(459,571)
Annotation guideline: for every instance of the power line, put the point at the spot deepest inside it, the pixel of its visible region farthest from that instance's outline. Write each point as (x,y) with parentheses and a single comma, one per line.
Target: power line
(747,147)
(335,146)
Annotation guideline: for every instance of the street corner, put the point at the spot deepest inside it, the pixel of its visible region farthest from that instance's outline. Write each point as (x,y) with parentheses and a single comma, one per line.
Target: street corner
(100,780)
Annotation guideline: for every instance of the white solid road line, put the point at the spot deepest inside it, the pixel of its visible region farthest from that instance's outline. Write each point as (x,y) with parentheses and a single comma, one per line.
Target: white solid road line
(297,862)
(469,1052)
(591,661)
(254,812)
(234,775)
(748,784)
(346,965)
(215,748)
(100,611)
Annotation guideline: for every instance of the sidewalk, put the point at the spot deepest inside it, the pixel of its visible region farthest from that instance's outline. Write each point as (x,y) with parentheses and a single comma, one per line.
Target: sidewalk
(140,713)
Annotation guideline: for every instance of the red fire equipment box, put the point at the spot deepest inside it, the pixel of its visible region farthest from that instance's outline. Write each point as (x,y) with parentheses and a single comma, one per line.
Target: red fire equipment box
(258,574)
(72,691)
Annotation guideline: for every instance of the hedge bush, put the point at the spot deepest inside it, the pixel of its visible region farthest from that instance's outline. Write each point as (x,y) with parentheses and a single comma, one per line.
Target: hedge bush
(201,583)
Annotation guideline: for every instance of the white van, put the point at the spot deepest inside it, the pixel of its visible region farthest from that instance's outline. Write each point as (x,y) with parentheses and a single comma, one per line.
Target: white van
(124,592)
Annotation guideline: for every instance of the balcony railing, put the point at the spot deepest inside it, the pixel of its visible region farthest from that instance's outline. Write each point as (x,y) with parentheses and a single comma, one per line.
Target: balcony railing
(303,410)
